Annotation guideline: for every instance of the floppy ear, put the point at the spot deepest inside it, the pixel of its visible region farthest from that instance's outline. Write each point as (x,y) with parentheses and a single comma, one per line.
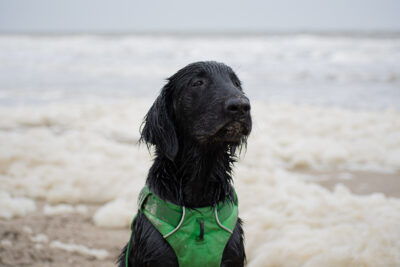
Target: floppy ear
(158,127)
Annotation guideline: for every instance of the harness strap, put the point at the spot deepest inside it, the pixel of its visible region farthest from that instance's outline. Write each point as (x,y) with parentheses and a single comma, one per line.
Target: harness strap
(128,248)
(171,213)
(178,226)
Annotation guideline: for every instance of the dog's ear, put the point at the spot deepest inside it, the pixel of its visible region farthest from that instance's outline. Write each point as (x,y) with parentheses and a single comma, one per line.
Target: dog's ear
(158,128)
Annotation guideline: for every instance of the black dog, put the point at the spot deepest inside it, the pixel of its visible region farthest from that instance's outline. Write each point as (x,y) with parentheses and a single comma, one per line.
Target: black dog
(197,124)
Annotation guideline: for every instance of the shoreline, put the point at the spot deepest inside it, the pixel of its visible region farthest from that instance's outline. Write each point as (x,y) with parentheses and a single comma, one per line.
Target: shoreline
(358,182)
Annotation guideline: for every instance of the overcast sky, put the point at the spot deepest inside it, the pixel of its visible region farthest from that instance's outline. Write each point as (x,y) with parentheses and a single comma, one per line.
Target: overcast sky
(200,16)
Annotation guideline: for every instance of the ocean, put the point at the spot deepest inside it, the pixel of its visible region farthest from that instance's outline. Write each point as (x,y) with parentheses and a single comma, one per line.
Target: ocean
(353,71)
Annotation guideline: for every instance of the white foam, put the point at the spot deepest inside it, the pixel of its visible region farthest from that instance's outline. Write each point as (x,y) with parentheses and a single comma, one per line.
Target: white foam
(63,208)
(312,137)
(11,207)
(118,213)
(290,223)
(39,238)
(100,254)
(86,153)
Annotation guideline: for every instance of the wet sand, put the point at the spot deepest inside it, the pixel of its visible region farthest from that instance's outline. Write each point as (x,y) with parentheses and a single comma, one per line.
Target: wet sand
(359,182)
(21,248)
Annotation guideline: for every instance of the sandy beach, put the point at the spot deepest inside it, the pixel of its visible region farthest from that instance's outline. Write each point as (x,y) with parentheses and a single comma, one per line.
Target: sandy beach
(27,241)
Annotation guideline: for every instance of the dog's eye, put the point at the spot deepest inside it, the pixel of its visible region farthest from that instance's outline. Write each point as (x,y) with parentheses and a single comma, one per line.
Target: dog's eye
(236,83)
(198,83)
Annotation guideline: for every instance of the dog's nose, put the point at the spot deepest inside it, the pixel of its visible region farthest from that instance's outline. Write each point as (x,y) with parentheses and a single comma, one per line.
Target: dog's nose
(238,106)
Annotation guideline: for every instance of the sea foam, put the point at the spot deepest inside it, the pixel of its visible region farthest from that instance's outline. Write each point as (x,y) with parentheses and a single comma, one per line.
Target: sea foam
(88,153)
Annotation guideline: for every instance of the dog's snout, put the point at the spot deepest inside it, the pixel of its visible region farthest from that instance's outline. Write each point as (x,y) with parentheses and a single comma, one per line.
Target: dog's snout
(237,106)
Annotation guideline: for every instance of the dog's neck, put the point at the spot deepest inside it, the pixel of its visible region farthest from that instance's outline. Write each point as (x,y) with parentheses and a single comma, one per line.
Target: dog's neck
(199,176)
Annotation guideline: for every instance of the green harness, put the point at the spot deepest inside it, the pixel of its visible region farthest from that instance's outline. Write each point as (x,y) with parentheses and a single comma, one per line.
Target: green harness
(197,236)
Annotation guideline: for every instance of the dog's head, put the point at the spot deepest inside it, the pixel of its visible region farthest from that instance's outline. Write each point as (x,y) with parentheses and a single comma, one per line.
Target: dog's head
(203,103)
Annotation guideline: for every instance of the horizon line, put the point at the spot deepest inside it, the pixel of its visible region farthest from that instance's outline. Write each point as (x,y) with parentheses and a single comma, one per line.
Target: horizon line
(208,32)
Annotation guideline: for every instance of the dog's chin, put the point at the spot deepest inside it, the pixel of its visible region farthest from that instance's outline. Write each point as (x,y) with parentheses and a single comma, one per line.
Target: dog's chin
(232,133)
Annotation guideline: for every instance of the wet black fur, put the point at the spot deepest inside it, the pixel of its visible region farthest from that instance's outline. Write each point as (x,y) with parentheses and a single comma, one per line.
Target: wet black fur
(196,132)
